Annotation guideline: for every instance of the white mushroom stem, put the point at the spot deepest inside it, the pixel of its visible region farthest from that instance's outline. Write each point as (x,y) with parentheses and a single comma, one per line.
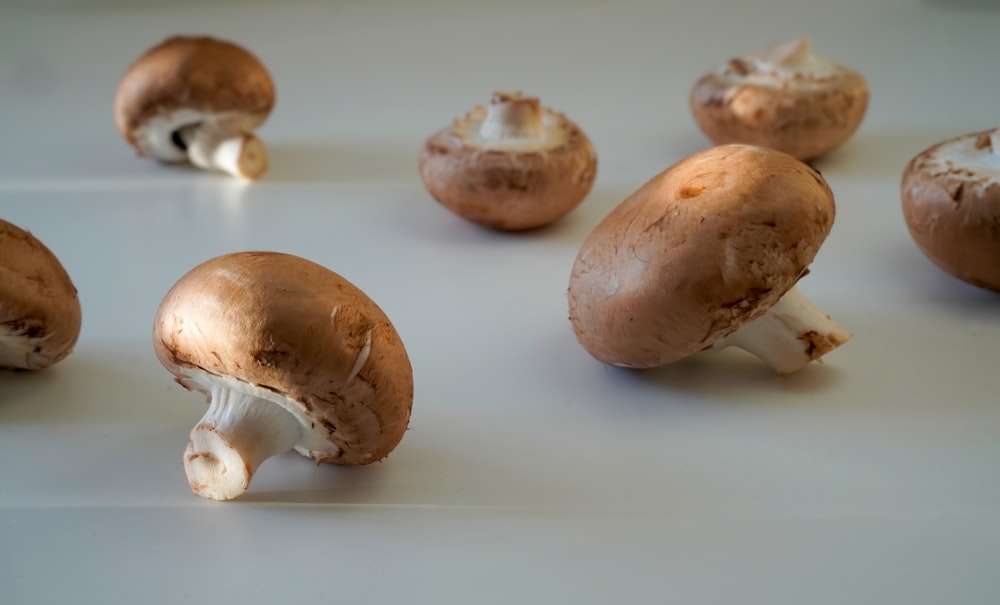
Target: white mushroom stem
(786,54)
(512,116)
(236,434)
(18,349)
(995,140)
(791,334)
(238,153)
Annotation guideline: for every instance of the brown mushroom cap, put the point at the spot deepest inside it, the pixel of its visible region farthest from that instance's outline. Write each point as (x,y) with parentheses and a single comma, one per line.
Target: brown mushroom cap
(521,175)
(785,98)
(704,247)
(186,81)
(294,328)
(951,203)
(39,308)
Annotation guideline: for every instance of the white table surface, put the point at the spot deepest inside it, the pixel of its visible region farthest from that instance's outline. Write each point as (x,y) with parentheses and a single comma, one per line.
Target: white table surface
(530,473)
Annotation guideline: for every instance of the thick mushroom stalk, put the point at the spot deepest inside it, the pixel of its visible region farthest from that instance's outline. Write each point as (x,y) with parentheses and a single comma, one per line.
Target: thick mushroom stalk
(235,152)
(790,335)
(291,356)
(706,255)
(197,99)
(237,433)
(512,116)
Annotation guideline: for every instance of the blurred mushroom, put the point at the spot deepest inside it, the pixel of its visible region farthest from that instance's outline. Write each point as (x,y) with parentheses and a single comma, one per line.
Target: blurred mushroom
(514,165)
(291,356)
(951,203)
(197,99)
(704,256)
(39,308)
(784,97)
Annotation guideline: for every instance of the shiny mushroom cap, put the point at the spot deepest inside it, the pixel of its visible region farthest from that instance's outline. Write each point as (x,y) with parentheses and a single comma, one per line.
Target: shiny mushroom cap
(513,165)
(784,97)
(197,99)
(39,309)
(290,355)
(951,203)
(706,247)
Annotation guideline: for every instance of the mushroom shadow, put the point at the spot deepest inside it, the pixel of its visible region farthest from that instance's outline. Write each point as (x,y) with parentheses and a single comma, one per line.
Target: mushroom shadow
(878,153)
(577,224)
(360,162)
(428,219)
(17,385)
(704,380)
(94,385)
(926,281)
(319,484)
(732,376)
(412,476)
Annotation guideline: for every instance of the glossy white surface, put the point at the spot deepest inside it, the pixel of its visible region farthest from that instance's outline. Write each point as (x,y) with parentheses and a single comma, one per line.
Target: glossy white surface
(531,473)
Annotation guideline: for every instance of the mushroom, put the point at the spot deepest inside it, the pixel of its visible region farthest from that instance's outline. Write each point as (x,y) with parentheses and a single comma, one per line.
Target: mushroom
(290,356)
(704,256)
(783,97)
(514,165)
(951,203)
(197,99)
(39,308)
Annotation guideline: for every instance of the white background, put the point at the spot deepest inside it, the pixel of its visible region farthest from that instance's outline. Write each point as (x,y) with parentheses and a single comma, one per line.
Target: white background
(530,473)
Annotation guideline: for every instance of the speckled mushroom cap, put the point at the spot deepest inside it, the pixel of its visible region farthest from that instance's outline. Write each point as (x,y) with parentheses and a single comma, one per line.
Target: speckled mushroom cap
(295,329)
(704,247)
(513,165)
(39,309)
(784,97)
(951,203)
(185,81)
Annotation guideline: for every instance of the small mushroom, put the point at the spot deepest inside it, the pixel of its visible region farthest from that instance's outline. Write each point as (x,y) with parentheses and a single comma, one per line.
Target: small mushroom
(784,97)
(704,256)
(951,203)
(290,356)
(513,165)
(198,100)
(39,308)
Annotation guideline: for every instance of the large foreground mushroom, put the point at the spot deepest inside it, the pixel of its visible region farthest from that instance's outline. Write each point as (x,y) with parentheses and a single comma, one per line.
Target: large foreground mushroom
(39,308)
(951,203)
(513,165)
(290,356)
(704,256)
(198,100)
(785,97)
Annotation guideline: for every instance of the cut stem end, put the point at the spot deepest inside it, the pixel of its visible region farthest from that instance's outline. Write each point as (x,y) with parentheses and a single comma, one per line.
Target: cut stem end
(236,434)
(793,333)
(512,116)
(240,154)
(214,469)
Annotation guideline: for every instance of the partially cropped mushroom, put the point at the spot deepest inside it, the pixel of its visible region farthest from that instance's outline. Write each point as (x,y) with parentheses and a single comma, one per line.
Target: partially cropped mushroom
(784,97)
(39,308)
(707,255)
(197,100)
(513,165)
(290,356)
(951,203)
